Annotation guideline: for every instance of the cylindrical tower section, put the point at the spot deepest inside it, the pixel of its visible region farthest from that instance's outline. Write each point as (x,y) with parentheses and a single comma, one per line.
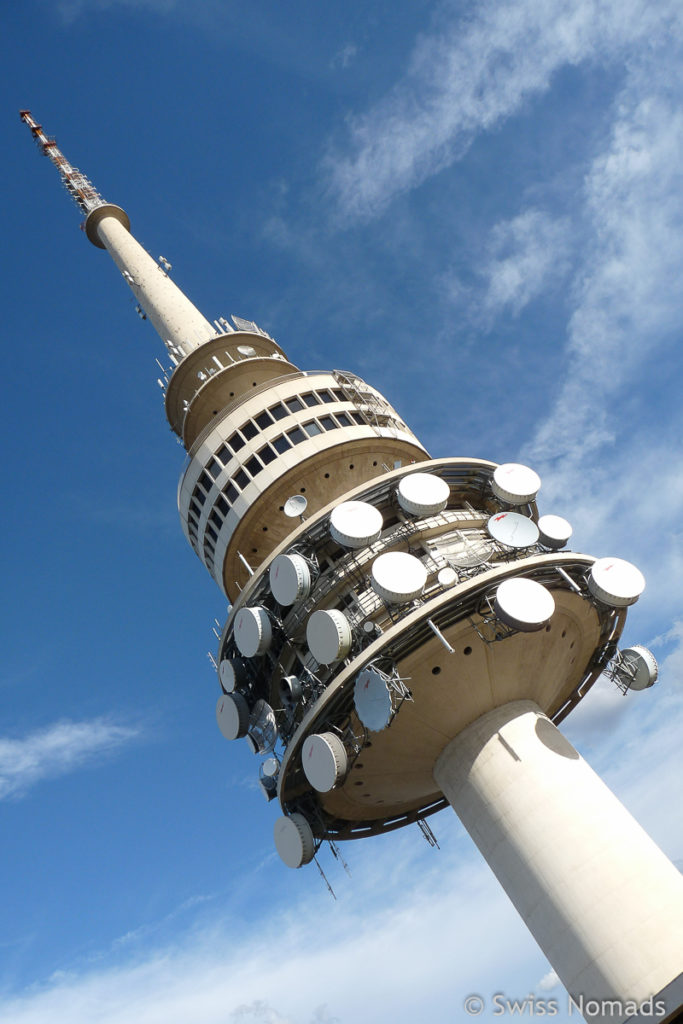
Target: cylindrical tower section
(174,317)
(600,898)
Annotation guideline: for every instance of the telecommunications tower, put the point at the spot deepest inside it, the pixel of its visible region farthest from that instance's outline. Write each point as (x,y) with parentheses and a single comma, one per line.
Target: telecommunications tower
(406,633)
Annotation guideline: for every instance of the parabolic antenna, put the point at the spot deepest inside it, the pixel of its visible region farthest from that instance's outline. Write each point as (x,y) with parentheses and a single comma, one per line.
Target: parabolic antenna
(232,715)
(523,604)
(447,577)
(328,634)
(232,674)
(262,728)
(468,550)
(246,350)
(423,494)
(554,531)
(354,524)
(291,690)
(290,579)
(294,840)
(372,699)
(512,529)
(398,577)
(515,484)
(324,761)
(252,631)
(615,582)
(638,669)
(295,506)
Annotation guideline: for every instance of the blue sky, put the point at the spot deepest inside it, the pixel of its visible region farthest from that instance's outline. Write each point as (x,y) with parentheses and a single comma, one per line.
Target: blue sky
(476,207)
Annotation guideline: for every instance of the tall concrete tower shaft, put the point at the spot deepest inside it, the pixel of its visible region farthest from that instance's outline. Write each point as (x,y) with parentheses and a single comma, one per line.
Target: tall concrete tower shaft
(407,633)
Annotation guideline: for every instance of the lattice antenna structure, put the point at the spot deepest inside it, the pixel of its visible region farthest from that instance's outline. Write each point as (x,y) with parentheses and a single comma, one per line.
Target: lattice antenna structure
(80,188)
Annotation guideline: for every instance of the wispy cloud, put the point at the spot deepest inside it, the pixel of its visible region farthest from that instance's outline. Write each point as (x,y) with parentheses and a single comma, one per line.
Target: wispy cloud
(466,78)
(523,255)
(57,750)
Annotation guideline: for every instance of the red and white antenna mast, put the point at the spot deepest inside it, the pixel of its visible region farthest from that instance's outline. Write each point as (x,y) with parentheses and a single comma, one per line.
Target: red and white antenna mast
(80,188)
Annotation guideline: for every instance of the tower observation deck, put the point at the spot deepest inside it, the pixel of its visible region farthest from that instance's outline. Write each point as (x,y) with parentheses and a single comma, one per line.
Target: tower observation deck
(406,633)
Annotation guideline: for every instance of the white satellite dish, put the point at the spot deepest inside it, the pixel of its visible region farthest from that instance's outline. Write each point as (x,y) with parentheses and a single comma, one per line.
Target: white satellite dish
(295,506)
(423,494)
(262,735)
(615,582)
(372,700)
(354,524)
(232,674)
(328,634)
(523,604)
(232,715)
(324,761)
(290,579)
(512,529)
(447,577)
(398,577)
(246,350)
(638,668)
(294,840)
(252,631)
(554,531)
(515,484)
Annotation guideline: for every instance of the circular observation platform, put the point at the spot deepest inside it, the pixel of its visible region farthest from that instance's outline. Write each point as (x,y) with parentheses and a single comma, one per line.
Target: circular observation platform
(447,653)
(390,781)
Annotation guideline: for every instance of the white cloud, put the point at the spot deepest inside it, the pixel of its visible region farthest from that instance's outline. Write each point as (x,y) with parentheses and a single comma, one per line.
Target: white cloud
(628,301)
(523,255)
(344,57)
(56,750)
(465,77)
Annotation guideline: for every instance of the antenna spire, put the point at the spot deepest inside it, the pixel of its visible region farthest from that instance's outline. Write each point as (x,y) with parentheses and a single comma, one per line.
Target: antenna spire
(80,188)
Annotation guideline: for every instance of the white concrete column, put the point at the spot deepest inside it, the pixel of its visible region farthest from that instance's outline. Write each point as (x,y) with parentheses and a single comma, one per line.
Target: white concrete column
(601,899)
(173,315)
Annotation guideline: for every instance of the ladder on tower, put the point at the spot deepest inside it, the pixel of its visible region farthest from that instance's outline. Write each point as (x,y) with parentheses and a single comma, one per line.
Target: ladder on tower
(366,401)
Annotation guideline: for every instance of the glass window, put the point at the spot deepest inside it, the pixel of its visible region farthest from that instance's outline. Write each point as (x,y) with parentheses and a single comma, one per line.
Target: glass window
(293,404)
(326,396)
(195,506)
(281,444)
(241,479)
(312,428)
(236,442)
(357,417)
(253,466)
(311,398)
(211,533)
(224,454)
(267,454)
(296,436)
(339,395)
(278,411)
(264,420)
(199,496)
(327,423)
(222,506)
(344,419)
(249,430)
(213,469)
(215,519)
(205,482)
(231,493)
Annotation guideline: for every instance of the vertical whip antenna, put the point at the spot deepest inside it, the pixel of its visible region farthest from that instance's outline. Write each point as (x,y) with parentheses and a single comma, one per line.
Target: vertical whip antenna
(80,188)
